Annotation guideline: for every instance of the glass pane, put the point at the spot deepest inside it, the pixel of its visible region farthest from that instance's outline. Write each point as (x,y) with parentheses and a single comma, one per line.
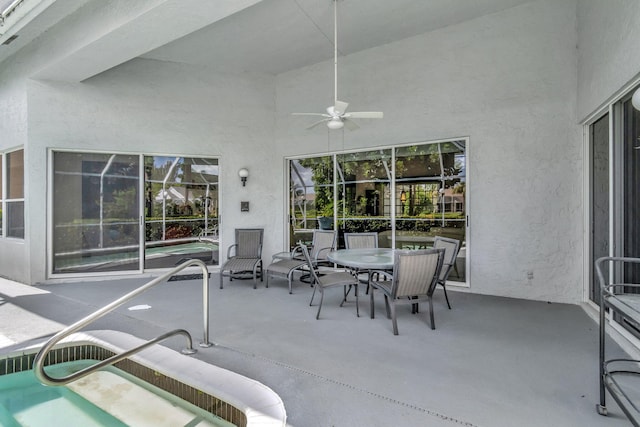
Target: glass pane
(628,205)
(442,160)
(311,196)
(363,193)
(1,175)
(631,183)
(430,197)
(15,175)
(364,166)
(631,194)
(381,226)
(181,210)
(15,219)
(95,212)
(599,198)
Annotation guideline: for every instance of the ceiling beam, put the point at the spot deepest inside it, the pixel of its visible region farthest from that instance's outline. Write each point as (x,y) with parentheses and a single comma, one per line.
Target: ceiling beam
(119,40)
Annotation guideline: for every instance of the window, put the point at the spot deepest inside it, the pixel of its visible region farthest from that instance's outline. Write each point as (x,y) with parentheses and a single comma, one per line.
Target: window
(181,209)
(407,194)
(12,195)
(102,222)
(95,212)
(614,179)
(600,212)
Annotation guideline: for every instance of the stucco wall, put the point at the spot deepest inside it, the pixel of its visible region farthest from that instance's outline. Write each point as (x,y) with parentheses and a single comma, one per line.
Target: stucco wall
(153,107)
(508,81)
(14,259)
(609,50)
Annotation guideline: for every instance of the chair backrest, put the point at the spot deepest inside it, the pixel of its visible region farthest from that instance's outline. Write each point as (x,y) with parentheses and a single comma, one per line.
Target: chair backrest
(361,240)
(451,248)
(416,272)
(312,268)
(249,242)
(324,241)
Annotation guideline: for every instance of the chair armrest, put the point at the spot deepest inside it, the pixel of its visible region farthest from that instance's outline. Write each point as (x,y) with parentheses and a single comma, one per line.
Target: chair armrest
(229,250)
(297,251)
(321,250)
(388,275)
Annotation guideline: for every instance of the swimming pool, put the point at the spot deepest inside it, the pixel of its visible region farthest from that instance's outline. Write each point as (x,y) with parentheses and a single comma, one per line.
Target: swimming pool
(237,400)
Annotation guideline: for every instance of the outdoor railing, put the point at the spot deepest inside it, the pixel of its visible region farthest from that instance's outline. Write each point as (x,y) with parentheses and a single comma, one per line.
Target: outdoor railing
(38,364)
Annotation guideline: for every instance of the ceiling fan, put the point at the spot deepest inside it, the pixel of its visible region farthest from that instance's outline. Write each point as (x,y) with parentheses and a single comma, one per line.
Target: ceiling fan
(336,116)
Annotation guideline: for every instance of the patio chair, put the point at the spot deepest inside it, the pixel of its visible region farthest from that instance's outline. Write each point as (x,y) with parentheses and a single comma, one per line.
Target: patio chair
(361,241)
(287,267)
(324,241)
(415,276)
(451,248)
(330,280)
(247,261)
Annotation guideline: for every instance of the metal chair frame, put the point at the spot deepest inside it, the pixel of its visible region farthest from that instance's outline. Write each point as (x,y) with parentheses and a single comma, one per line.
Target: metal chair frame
(414,279)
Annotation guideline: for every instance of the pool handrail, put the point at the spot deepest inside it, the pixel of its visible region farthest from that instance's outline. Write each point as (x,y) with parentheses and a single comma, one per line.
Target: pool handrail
(38,363)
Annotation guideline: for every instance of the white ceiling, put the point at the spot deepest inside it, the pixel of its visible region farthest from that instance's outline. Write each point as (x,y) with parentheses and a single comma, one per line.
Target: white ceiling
(268,36)
(274,36)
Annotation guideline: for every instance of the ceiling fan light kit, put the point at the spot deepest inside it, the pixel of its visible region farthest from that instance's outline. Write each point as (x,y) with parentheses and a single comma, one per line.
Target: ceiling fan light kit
(335,123)
(336,116)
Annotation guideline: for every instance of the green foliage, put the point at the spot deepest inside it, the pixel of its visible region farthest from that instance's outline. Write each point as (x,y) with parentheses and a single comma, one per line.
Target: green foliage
(364,225)
(124,204)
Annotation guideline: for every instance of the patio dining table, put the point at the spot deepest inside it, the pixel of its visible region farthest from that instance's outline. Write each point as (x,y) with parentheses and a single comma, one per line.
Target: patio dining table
(363,259)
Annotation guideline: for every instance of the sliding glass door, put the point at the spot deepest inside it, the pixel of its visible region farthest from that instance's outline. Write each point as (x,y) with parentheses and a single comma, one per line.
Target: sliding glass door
(615,195)
(181,210)
(129,212)
(407,194)
(96,212)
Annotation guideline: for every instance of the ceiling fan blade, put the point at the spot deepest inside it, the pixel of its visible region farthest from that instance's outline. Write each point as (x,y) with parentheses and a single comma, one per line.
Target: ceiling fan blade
(341,106)
(317,123)
(350,124)
(311,114)
(365,115)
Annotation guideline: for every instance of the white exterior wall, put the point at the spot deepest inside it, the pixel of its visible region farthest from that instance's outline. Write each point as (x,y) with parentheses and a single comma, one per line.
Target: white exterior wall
(152,107)
(609,50)
(508,82)
(14,256)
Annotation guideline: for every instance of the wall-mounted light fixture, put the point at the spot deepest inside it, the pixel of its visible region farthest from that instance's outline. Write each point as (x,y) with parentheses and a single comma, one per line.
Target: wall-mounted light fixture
(243,174)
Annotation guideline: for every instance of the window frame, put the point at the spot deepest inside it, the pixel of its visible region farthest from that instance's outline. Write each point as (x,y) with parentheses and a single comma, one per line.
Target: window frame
(51,272)
(5,200)
(287,199)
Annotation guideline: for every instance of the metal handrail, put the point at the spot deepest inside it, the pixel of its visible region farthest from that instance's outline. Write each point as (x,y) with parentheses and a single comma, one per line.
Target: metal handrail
(38,364)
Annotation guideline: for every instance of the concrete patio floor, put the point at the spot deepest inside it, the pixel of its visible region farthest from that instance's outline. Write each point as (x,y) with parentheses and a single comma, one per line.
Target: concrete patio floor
(490,362)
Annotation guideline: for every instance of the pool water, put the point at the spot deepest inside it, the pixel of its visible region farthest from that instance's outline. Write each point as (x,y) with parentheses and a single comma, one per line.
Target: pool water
(108,397)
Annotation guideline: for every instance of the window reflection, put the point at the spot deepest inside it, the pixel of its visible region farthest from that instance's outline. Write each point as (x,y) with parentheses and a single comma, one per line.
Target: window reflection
(97,211)
(181,210)
(407,194)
